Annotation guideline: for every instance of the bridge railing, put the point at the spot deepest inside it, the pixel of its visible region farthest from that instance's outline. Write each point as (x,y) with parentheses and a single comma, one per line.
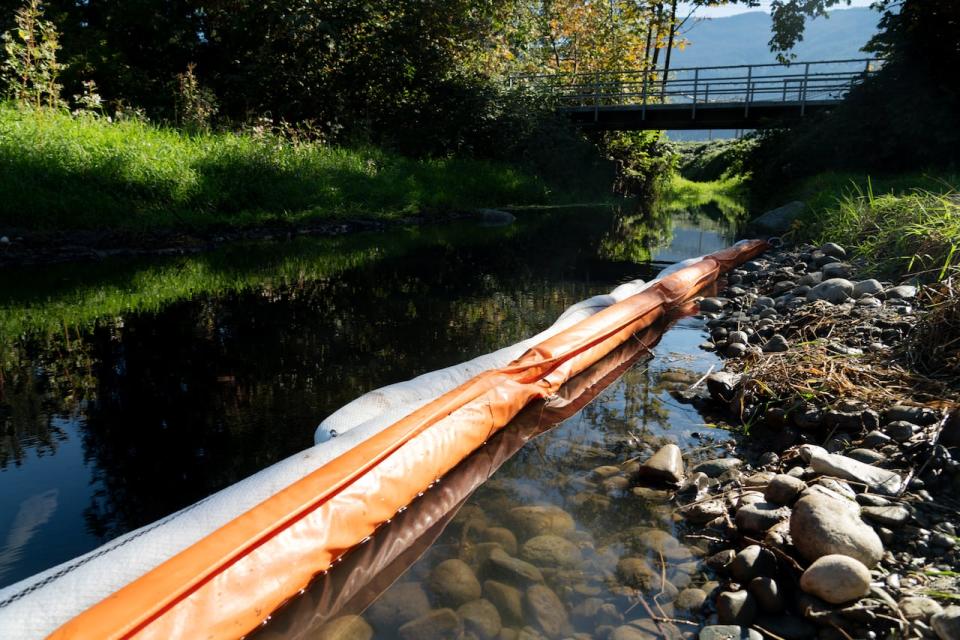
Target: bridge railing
(797,83)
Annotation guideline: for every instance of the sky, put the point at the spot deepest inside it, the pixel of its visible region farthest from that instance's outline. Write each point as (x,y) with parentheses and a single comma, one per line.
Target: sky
(720,12)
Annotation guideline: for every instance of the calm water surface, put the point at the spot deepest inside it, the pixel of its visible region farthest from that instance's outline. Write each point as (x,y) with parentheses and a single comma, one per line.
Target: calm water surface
(131,389)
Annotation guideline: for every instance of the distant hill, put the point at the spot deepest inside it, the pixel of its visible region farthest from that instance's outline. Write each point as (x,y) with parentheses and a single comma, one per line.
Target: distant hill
(742,39)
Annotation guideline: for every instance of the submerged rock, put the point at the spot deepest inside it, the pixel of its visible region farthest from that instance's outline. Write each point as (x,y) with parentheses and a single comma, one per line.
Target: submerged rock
(836,579)
(551,551)
(716,467)
(481,618)
(547,611)
(346,628)
(539,520)
(728,632)
(666,465)
(513,570)
(454,583)
(400,604)
(439,624)
(508,601)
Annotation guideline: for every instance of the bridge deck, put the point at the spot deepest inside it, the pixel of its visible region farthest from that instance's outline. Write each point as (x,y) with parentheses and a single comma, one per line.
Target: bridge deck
(727,97)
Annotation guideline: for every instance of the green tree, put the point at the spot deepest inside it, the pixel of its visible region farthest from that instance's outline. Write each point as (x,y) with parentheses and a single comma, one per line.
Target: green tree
(31,68)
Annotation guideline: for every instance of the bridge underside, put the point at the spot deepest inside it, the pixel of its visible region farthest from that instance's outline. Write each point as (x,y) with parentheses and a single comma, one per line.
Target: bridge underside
(759,115)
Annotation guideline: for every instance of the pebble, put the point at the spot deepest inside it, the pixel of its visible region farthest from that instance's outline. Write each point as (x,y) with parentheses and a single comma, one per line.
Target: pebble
(691,599)
(916,415)
(400,604)
(760,516)
(836,579)
(551,551)
(821,525)
(507,599)
(728,632)
(454,583)
(502,536)
(867,287)
(439,624)
(837,270)
(919,608)
(900,430)
(481,618)
(946,624)
(717,466)
(767,593)
(547,611)
(350,627)
(831,464)
(538,520)
(751,562)
(738,337)
(512,569)
(833,249)
(666,465)
(735,350)
(784,489)
(892,516)
(776,344)
(736,607)
(903,292)
(712,305)
(835,290)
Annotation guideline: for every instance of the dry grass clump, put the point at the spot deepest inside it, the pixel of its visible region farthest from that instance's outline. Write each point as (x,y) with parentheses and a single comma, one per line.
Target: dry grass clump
(933,346)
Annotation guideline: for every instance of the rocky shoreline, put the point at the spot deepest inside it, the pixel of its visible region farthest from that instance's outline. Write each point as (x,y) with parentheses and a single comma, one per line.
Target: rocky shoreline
(833,518)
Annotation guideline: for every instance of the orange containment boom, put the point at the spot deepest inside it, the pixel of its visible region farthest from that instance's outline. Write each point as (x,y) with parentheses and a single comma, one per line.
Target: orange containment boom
(226,584)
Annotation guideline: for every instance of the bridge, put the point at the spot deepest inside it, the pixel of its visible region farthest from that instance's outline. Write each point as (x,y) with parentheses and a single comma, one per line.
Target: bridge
(726,97)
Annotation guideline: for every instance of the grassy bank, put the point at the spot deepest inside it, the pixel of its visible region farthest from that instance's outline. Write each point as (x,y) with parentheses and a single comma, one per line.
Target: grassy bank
(59,171)
(901,225)
(727,195)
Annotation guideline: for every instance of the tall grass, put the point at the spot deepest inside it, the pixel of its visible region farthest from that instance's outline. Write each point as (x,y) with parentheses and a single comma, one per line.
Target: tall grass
(916,233)
(59,171)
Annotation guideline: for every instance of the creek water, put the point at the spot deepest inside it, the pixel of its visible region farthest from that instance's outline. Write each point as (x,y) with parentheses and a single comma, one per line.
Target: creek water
(131,389)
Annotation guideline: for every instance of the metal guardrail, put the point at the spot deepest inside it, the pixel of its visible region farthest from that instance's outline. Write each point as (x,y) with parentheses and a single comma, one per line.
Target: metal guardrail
(796,83)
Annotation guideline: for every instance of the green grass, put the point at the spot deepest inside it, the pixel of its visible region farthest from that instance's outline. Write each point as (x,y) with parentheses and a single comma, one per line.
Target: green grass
(904,225)
(59,171)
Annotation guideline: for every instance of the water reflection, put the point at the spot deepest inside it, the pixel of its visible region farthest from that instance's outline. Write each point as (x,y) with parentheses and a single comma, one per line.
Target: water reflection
(130,390)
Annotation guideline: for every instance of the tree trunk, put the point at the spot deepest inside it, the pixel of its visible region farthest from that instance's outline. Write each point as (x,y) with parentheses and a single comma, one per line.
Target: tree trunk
(673,31)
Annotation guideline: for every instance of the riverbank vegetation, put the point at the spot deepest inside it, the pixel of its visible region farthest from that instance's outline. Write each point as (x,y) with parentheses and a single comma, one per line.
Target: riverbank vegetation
(63,171)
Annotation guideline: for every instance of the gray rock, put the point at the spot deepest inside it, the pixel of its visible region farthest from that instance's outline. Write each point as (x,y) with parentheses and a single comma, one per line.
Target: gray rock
(728,632)
(784,489)
(777,221)
(713,305)
(807,417)
(831,464)
(867,287)
(903,292)
(753,561)
(821,526)
(736,607)
(721,560)
(738,337)
(547,611)
(875,439)
(703,512)
(538,520)
(398,605)
(919,608)
(916,415)
(502,536)
(776,344)
(691,600)
(481,618)
(760,516)
(835,290)
(512,570)
(635,572)
(833,249)
(628,632)
(666,465)
(508,601)
(894,515)
(453,582)
(716,467)
(439,624)
(837,270)
(866,456)
(946,624)
(722,385)
(551,551)
(767,593)
(349,627)
(836,579)
(900,430)
(788,627)
(810,280)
